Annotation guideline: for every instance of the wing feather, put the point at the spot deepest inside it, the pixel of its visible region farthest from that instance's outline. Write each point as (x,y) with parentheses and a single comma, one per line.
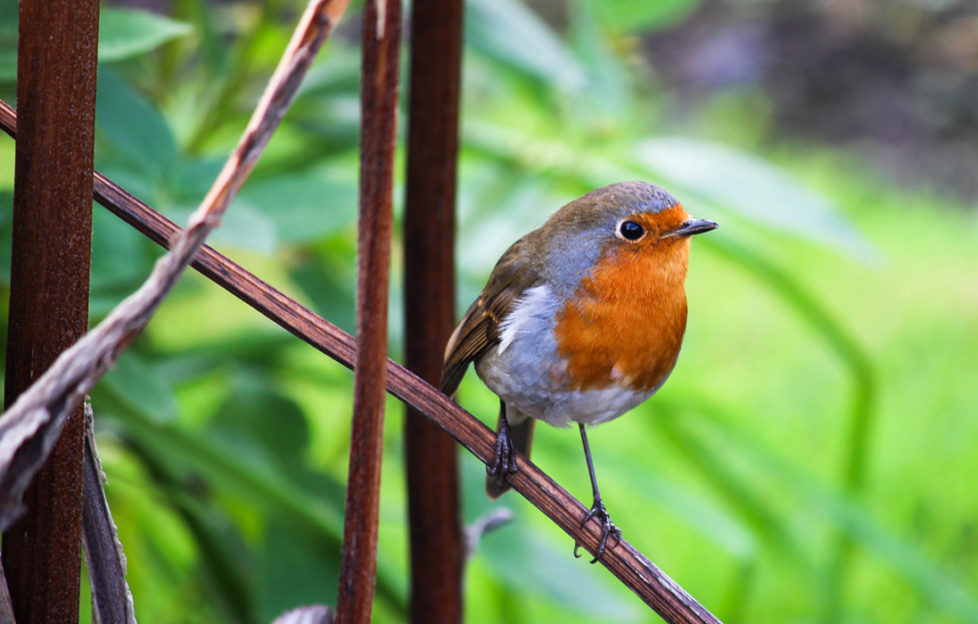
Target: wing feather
(478,330)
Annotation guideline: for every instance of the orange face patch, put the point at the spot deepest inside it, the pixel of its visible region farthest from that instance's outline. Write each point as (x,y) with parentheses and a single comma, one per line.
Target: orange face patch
(625,324)
(660,223)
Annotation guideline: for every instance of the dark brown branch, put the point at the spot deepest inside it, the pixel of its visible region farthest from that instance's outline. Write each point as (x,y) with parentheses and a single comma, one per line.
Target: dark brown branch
(437,549)
(380,40)
(626,563)
(52,231)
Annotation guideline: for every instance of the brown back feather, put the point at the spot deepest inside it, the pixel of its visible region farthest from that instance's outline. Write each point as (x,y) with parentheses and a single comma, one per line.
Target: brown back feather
(479,329)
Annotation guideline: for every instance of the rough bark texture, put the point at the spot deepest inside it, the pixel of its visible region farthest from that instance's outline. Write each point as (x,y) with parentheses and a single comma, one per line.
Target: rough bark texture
(378,133)
(437,548)
(52,225)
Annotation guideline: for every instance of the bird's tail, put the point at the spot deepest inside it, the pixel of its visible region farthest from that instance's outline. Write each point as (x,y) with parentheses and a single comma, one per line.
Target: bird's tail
(521,435)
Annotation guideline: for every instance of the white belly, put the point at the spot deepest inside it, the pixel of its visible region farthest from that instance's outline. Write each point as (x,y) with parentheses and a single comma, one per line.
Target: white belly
(528,378)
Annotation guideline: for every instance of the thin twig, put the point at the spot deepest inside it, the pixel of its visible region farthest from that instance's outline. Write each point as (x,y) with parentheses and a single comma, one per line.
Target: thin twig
(378,134)
(314,614)
(6,605)
(111,598)
(490,521)
(33,422)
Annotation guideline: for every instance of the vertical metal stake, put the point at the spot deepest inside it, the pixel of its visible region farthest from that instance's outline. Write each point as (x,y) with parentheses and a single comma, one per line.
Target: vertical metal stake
(52,227)
(437,549)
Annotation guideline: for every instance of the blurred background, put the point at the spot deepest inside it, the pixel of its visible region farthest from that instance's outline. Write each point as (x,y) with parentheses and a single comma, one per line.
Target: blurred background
(813,457)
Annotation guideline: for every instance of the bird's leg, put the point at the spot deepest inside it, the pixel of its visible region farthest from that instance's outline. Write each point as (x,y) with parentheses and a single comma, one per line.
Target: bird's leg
(598,509)
(505,460)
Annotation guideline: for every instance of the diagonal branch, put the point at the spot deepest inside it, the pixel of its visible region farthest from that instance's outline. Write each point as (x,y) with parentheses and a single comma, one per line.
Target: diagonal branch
(639,574)
(29,428)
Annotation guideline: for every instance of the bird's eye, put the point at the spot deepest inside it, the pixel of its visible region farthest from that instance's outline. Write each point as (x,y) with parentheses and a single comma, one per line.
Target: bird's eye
(630,230)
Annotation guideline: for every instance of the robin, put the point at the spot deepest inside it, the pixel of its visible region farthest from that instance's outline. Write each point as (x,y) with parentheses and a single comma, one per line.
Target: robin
(581,320)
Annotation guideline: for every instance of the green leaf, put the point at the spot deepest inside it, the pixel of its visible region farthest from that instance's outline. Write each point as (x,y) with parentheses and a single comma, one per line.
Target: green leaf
(9,15)
(609,88)
(153,525)
(120,261)
(293,572)
(222,553)
(509,32)
(8,65)
(118,256)
(124,33)
(135,384)
(641,15)
(527,561)
(263,488)
(193,178)
(257,416)
(751,188)
(242,227)
(711,520)
(328,286)
(733,447)
(246,228)
(8,41)
(131,127)
(302,208)
(6,233)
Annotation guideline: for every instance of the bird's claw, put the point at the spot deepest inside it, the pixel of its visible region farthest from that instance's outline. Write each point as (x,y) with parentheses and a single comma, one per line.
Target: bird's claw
(505,460)
(608,529)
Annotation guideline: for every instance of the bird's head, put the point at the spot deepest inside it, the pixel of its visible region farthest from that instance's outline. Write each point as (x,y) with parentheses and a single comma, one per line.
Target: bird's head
(628,221)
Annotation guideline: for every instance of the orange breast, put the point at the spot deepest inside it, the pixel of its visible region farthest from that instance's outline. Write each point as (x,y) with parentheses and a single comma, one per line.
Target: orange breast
(626,323)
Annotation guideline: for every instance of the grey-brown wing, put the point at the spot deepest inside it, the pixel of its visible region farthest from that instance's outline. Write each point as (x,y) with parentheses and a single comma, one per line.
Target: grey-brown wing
(479,329)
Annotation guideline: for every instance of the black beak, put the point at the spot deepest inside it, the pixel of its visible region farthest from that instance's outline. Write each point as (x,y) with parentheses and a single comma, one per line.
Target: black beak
(693,226)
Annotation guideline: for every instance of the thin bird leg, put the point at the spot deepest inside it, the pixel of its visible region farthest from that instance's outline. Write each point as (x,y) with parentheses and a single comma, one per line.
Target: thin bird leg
(505,460)
(598,509)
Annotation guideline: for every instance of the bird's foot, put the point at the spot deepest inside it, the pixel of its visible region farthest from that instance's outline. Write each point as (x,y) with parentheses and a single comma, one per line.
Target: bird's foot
(505,460)
(608,529)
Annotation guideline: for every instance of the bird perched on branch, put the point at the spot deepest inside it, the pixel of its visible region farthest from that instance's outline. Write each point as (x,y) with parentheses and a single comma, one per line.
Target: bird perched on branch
(581,320)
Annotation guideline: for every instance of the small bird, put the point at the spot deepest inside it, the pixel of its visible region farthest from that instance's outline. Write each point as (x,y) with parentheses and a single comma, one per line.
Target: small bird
(581,320)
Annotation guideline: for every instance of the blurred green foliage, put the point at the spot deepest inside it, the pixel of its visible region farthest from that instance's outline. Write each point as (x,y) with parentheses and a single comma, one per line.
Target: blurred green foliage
(811,458)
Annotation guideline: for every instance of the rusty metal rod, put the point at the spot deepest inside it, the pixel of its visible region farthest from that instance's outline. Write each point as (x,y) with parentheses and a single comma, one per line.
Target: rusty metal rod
(52,229)
(380,43)
(436,544)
